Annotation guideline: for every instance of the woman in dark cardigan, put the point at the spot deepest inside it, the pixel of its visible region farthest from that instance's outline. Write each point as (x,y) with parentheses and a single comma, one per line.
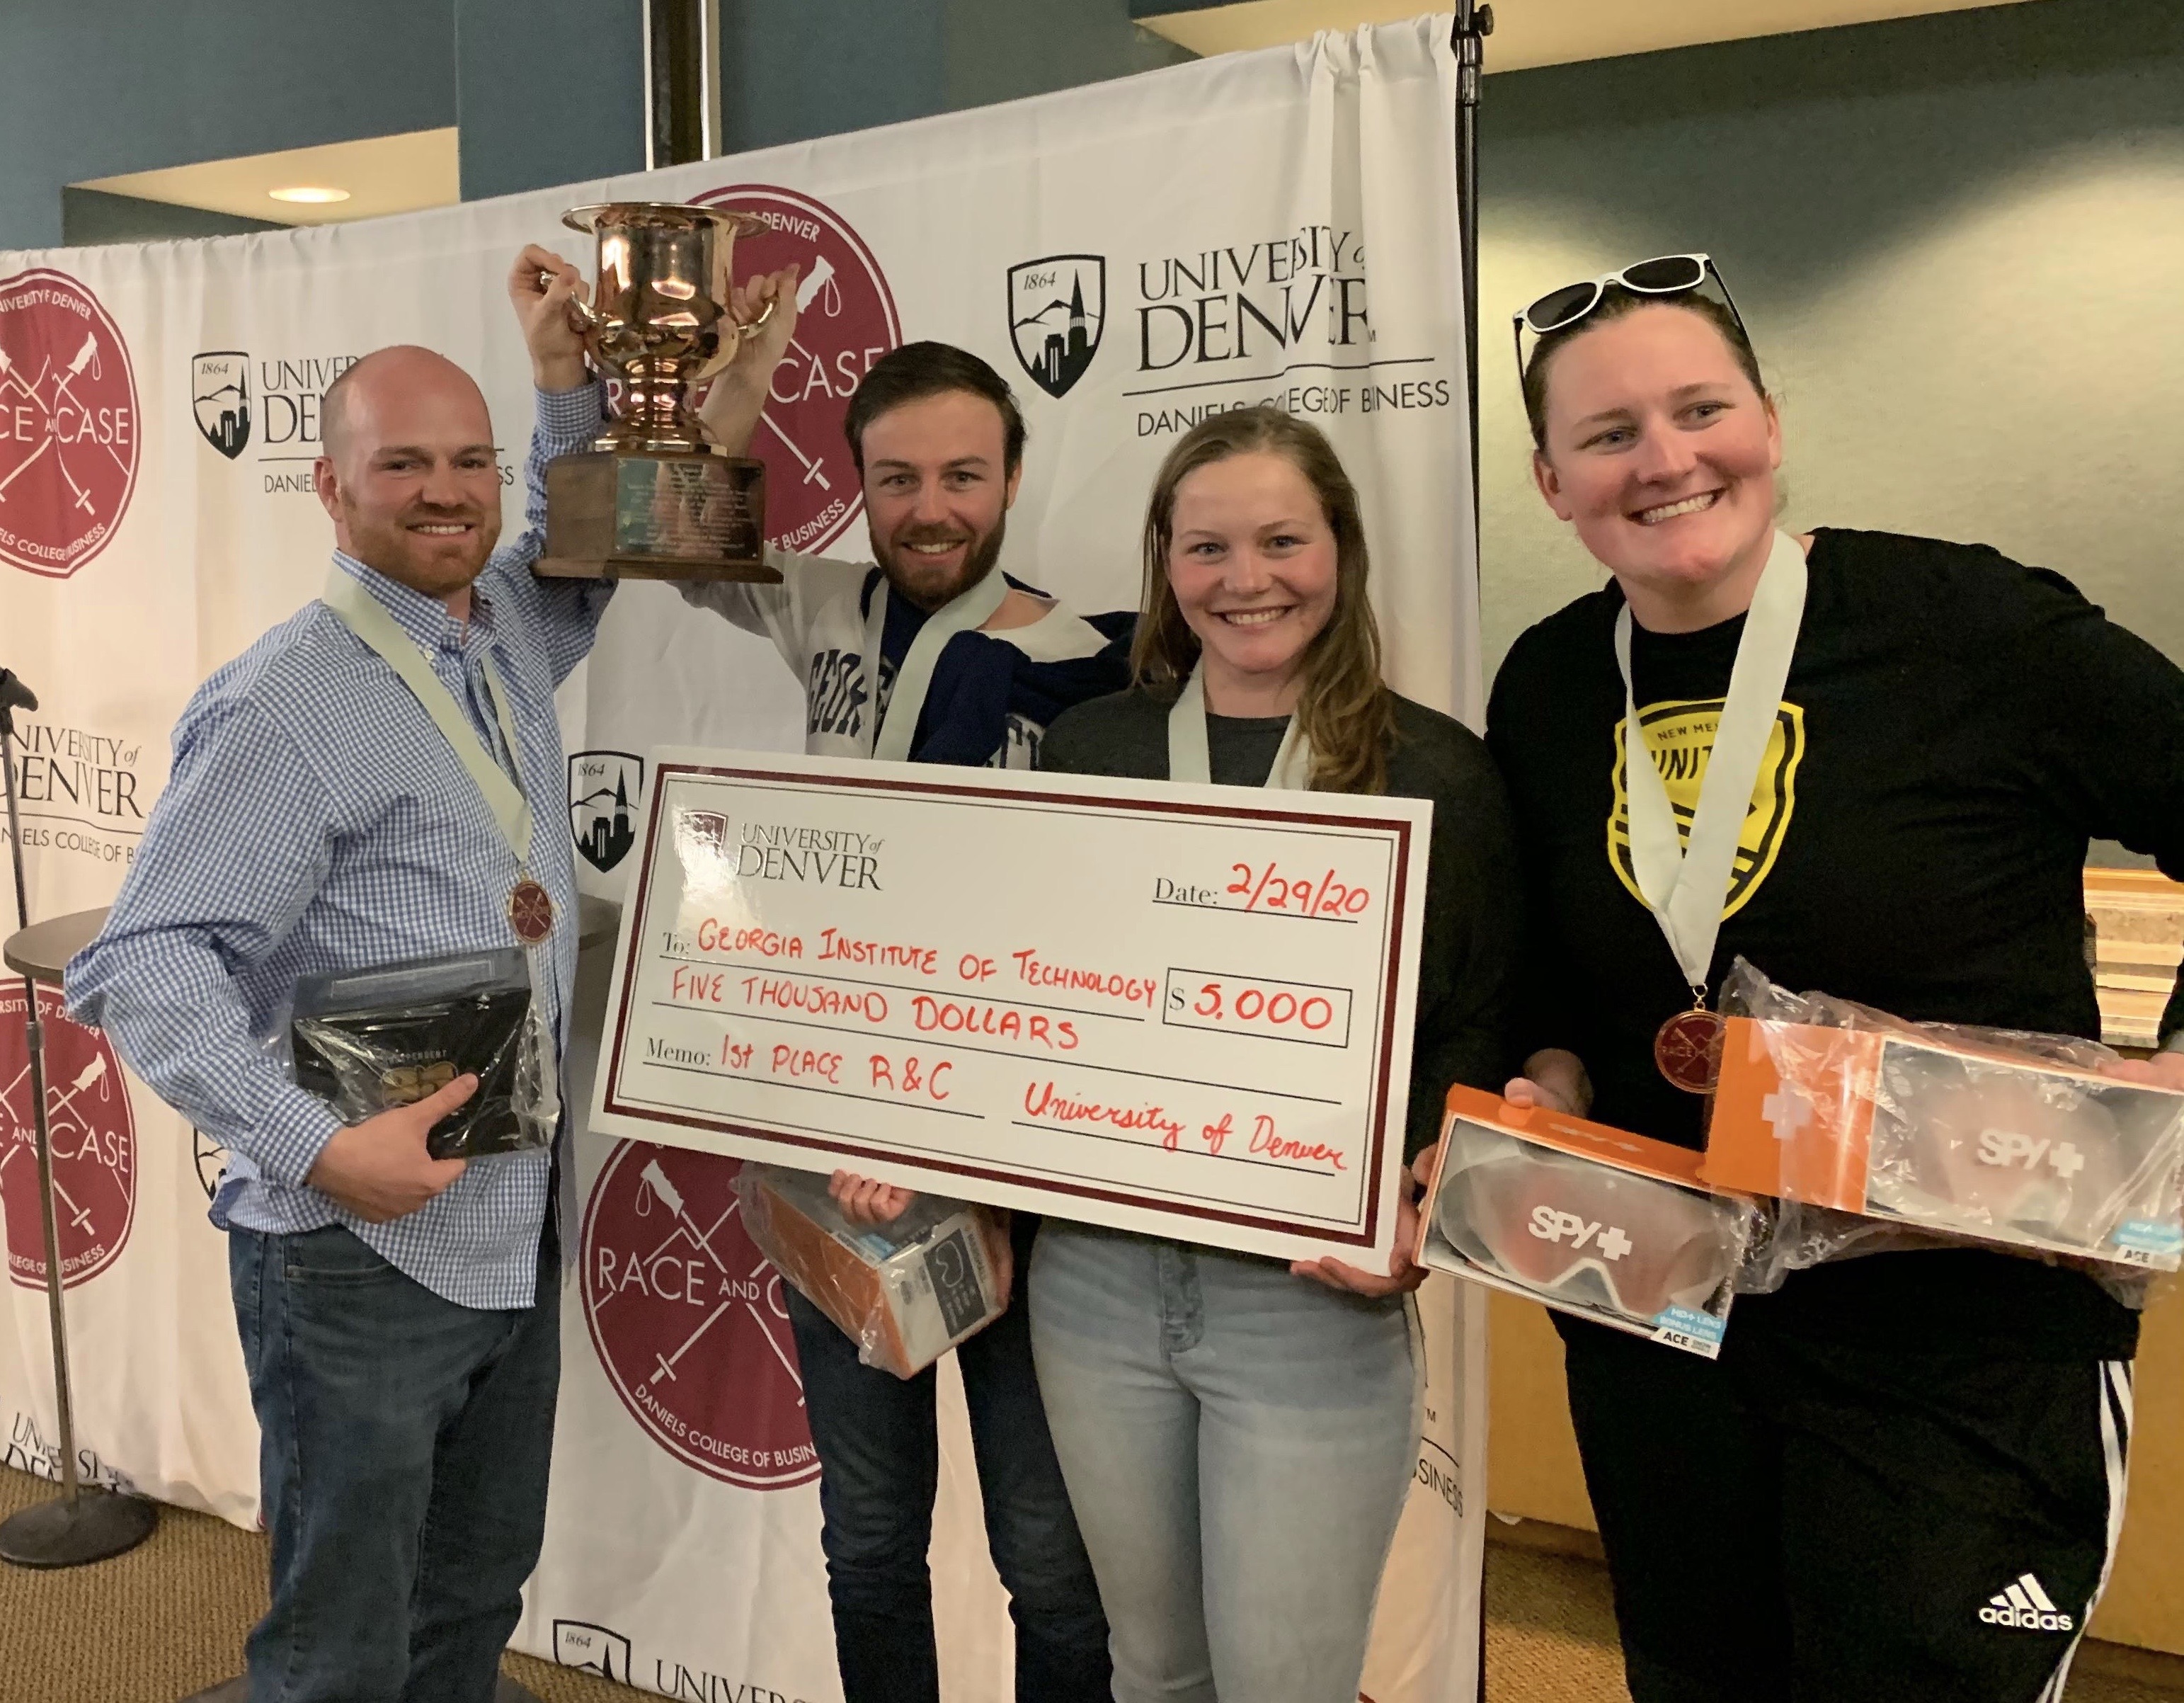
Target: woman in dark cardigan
(1238,1436)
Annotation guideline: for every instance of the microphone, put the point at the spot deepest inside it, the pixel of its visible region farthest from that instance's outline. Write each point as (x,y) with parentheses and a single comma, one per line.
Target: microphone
(15,694)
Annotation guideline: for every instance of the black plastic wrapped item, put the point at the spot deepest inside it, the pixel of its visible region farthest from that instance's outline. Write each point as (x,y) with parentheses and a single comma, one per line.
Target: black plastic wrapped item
(368,1040)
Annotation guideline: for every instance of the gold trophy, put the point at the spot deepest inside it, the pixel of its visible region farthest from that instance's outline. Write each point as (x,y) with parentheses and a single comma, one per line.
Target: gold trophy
(656,496)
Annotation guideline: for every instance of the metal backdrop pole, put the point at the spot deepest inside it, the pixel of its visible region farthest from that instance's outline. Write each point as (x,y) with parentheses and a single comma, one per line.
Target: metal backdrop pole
(80,1526)
(1474,23)
(34,1034)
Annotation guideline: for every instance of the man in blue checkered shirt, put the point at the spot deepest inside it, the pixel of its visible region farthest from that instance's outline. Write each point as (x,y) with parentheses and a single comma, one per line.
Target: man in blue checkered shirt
(399,1313)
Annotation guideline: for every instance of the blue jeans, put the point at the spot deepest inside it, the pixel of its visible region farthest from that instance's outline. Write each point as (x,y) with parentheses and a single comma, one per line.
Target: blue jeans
(1238,1442)
(878,1444)
(403,1465)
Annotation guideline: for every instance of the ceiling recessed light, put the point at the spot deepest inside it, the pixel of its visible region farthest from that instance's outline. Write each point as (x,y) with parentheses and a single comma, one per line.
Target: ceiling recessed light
(309,193)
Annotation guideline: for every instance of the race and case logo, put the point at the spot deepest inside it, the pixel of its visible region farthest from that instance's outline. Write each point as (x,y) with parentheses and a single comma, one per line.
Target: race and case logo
(591,1649)
(605,787)
(689,1320)
(219,392)
(845,321)
(94,1144)
(68,424)
(1057,310)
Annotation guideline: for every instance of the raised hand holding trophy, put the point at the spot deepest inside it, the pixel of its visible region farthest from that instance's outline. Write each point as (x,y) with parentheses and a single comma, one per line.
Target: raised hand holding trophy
(656,496)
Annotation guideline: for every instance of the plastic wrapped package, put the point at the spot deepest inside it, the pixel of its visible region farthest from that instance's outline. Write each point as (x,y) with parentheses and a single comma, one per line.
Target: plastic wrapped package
(368,1040)
(1589,1220)
(904,1292)
(1949,1130)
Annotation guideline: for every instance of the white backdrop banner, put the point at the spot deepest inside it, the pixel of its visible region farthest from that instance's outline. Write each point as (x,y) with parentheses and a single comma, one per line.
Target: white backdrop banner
(1276,226)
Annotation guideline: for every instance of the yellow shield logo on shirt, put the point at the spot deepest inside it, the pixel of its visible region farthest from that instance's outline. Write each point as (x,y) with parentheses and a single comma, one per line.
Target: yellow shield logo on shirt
(1679,735)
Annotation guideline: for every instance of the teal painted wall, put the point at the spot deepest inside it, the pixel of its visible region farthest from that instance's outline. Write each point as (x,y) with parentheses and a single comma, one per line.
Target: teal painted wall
(1958,240)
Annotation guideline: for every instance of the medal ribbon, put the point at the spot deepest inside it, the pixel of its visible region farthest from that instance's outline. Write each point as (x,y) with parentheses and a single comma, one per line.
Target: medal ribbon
(1190,759)
(1686,888)
(378,631)
(367,618)
(968,609)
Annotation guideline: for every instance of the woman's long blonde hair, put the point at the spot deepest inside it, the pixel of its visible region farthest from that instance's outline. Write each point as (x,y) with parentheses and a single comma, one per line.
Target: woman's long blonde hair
(1346,712)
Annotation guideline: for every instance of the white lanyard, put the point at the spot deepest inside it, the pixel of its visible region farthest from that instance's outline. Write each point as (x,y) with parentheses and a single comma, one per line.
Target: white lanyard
(1687,889)
(966,609)
(369,620)
(1190,759)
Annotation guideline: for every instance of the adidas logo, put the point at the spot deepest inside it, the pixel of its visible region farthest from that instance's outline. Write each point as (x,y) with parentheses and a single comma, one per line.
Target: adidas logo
(2024,1604)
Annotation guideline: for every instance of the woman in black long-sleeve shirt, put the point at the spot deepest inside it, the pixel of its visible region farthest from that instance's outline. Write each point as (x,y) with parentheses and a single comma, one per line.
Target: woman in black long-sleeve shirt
(1237,1436)
(1902,1480)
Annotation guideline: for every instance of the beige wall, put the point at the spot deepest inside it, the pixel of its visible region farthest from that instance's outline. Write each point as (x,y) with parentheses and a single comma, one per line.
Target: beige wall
(1960,244)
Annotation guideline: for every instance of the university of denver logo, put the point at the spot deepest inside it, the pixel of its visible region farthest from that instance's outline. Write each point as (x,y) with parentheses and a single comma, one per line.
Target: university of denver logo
(1679,734)
(211,1159)
(68,424)
(94,1144)
(689,1320)
(219,395)
(845,321)
(1057,309)
(591,1649)
(605,790)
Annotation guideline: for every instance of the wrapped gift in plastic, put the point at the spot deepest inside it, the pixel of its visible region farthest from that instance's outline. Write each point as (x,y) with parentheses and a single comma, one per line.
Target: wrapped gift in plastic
(368,1040)
(1998,1135)
(1591,1220)
(904,1292)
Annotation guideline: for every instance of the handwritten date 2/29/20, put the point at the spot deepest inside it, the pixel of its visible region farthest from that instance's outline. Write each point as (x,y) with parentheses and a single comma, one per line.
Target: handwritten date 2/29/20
(1297,895)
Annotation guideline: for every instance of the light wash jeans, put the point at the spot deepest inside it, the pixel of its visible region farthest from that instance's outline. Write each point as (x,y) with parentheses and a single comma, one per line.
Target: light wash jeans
(1237,1443)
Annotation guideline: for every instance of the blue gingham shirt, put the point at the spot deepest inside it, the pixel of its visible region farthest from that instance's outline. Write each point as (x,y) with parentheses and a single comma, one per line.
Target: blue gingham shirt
(316,820)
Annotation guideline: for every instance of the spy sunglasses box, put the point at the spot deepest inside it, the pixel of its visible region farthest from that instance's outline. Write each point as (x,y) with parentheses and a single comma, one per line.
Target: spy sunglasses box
(1589,1220)
(904,1292)
(1975,1141)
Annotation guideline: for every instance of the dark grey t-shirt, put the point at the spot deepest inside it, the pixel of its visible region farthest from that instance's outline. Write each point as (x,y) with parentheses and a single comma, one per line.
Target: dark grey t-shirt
(1473,899)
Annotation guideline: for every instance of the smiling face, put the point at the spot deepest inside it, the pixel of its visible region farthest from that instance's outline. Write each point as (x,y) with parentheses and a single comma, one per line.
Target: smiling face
(410,475)
(1252,562)
(937,493)
(1662,453)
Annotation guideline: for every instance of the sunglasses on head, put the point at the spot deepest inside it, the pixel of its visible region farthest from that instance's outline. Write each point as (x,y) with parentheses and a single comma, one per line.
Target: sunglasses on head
(1666,274)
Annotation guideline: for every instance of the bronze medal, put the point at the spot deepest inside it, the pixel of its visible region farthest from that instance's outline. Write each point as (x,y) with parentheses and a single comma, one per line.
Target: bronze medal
(530,912)
(1687,1050)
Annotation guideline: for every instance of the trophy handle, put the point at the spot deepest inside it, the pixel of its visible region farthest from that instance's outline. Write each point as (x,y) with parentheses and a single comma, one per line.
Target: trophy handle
(744,331)
(582,315)
(732,343)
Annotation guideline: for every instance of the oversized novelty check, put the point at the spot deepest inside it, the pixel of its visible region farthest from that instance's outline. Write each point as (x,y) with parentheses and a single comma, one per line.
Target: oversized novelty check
(1184,1010)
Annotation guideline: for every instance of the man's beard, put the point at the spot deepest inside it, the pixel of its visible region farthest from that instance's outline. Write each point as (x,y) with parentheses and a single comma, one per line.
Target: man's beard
(930,588)
(409,559)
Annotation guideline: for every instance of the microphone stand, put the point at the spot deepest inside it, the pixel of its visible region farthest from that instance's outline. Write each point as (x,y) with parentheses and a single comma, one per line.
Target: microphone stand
(86,1523)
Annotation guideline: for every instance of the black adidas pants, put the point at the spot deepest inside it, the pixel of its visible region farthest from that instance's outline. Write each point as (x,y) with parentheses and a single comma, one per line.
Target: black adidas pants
(1807,1521)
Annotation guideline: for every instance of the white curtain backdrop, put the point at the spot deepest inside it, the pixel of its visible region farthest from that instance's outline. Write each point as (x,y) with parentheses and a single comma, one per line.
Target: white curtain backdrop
(1279,225)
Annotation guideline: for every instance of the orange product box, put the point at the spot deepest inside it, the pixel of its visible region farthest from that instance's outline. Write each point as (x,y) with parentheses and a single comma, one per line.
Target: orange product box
(1809,1142)
(904,1292)
(1589,1220)
(1984,1141)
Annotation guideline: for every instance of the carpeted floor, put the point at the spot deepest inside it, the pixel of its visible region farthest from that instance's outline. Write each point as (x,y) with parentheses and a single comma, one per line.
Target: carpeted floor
(168,1619)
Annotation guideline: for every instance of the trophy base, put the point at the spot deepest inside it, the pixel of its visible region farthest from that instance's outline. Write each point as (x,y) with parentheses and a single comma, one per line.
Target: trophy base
(656,514)
(655,568)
